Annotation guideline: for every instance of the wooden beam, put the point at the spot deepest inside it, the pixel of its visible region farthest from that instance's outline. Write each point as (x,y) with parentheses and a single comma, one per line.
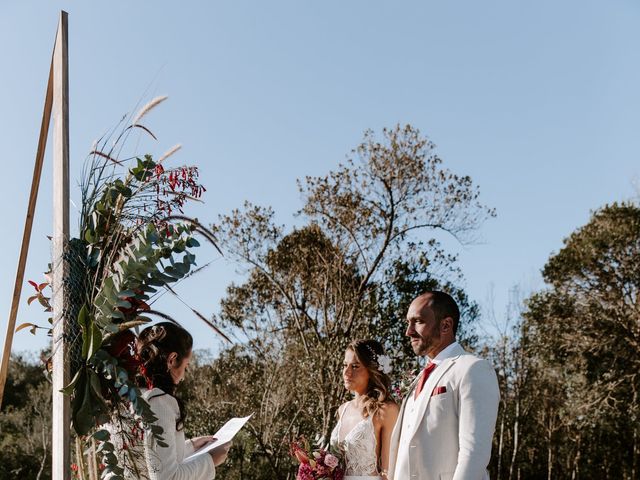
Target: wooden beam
(26,235)
(61,458)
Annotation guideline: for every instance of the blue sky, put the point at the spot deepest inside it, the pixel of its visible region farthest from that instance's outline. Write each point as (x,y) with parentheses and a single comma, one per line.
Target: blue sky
(537,101)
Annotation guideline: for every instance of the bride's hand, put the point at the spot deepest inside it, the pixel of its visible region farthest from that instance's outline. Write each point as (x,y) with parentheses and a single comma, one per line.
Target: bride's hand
(200,442)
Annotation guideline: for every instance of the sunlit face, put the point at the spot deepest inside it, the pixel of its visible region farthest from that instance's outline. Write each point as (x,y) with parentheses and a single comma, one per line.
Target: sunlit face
(422,328)
(178,369)
(354,373)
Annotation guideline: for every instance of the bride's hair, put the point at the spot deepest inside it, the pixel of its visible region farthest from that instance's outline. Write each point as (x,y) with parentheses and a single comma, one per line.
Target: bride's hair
(379,388)
(154,345)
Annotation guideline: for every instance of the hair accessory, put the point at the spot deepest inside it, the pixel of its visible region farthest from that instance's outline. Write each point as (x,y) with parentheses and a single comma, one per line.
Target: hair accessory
(383,361)
(157,331)
(384,364)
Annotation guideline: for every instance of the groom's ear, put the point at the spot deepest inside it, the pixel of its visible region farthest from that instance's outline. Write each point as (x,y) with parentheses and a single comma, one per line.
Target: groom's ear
(446,325)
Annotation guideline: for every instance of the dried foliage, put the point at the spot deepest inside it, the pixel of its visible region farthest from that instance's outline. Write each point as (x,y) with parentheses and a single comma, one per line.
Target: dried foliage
(364,250)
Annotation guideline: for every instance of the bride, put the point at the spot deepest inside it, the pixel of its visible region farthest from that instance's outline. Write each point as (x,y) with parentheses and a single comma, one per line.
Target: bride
(365,424)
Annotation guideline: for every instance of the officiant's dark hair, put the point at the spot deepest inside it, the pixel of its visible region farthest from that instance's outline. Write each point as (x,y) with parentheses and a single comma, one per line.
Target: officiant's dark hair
(379,388)
(443,306)
(154,346)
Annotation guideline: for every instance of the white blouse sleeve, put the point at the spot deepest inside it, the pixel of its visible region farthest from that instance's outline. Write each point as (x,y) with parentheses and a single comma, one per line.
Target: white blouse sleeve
(188,448)
(162,462)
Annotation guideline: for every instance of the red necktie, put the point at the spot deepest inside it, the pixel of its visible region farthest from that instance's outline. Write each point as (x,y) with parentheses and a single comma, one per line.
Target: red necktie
(423,379)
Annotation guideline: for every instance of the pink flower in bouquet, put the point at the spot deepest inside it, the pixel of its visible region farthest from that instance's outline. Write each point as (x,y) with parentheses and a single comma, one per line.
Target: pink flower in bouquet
(331,461)
(315,464)
(305,472)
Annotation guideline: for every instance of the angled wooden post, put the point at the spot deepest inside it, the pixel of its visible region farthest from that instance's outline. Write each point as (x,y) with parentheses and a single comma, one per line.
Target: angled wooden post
(57,104)
(26,235)
(61,458)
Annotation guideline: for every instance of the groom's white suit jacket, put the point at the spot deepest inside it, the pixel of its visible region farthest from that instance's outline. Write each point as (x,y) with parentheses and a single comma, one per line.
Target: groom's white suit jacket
(449,434)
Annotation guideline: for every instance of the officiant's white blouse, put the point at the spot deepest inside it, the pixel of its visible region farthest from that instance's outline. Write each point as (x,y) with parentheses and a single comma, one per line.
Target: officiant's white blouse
(166,463)
(154,462)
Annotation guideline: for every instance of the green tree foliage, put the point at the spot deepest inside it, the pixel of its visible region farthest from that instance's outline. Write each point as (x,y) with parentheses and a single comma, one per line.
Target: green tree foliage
(574,395)
(25,422)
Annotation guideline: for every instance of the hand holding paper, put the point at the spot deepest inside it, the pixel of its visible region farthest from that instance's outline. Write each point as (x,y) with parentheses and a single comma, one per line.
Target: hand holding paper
(223,436)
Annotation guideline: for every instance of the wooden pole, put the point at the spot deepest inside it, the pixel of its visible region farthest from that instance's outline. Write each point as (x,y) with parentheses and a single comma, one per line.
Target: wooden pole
(61,458)
(26,235)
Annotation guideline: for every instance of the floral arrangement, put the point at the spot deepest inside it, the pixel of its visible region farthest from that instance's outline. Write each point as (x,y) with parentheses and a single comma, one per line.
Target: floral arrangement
(134,241)
(402,384)
(316,464)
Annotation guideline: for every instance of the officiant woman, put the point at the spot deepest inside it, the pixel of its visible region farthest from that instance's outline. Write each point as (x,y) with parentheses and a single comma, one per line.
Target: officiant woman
(164,352)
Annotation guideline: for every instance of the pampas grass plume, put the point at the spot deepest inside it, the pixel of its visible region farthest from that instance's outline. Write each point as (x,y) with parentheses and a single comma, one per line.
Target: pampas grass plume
(148,107)
(170,152)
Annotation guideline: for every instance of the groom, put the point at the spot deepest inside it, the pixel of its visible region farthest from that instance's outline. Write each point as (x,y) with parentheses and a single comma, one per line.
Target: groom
(445,426)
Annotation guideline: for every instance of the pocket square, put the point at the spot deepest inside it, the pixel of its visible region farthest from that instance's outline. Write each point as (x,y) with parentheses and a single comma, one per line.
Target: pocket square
(438,391)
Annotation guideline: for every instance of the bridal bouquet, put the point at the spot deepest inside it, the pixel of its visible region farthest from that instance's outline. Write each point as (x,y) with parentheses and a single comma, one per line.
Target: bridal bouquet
(315,464)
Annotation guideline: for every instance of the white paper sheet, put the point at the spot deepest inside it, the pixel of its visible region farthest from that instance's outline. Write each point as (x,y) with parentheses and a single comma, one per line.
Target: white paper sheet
(224,435)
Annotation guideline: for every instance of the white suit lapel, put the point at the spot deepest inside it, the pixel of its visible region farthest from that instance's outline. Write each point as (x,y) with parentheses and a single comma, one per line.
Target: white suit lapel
(430,384)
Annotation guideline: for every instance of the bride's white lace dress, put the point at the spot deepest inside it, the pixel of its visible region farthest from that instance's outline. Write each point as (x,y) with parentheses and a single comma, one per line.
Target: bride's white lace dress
(358,447)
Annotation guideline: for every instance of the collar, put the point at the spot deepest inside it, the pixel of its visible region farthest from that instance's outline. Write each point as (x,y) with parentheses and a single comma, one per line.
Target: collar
(446,353)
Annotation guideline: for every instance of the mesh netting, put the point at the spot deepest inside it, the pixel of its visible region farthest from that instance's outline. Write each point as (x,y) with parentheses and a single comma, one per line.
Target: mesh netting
(75,296)
(74,291)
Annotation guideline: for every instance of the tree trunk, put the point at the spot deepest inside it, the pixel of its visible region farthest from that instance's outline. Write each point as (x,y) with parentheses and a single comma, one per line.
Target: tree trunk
(500,443)
(549,449)
(45,448)
(636,448)
(516,438)
(634,461)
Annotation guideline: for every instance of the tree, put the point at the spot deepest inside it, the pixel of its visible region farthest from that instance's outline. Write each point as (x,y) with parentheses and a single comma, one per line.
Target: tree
(349,271)
(25,423)
(583,347)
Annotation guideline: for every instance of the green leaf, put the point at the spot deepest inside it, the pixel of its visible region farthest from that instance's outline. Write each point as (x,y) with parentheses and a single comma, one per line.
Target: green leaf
(192,242)
(90,236)
(133,394)
(106,447)
(172,272)
(84,321)
(83,316)
(82,406)
(123,304)
(102,435)
(95,340)
(69,388)
(94,258)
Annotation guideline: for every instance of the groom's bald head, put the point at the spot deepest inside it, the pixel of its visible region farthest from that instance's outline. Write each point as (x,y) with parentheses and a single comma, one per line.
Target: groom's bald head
(442,305)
